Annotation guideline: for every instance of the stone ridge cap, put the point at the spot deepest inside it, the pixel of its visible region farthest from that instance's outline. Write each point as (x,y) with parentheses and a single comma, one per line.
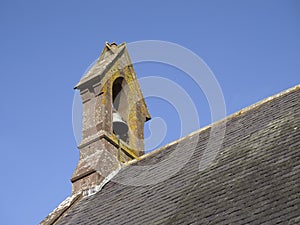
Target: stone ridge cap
(67,204)
(61,209)
(230,117)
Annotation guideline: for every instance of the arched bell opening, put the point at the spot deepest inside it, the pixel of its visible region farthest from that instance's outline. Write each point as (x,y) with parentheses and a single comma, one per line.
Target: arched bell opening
(120,109)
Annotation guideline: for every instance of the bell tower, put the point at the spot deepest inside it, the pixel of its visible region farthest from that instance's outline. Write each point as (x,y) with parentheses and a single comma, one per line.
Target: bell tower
(114,113)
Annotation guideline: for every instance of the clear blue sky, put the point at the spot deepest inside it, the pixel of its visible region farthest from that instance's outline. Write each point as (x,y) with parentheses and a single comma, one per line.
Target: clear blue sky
(252,47)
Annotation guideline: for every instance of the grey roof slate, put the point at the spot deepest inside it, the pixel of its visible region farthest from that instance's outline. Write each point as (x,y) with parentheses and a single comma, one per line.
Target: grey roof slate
(255,178)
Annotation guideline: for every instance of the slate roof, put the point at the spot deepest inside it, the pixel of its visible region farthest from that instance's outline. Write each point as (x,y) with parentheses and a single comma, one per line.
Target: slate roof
(254,179)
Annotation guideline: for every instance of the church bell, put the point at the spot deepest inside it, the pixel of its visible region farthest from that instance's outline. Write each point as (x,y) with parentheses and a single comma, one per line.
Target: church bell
(119,125)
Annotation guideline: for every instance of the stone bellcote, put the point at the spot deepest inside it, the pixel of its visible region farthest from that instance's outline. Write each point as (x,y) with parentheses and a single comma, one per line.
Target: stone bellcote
(114,113)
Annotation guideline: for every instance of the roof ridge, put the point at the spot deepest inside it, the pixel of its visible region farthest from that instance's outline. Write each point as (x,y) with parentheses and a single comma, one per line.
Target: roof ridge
(61,209)
(229,117)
